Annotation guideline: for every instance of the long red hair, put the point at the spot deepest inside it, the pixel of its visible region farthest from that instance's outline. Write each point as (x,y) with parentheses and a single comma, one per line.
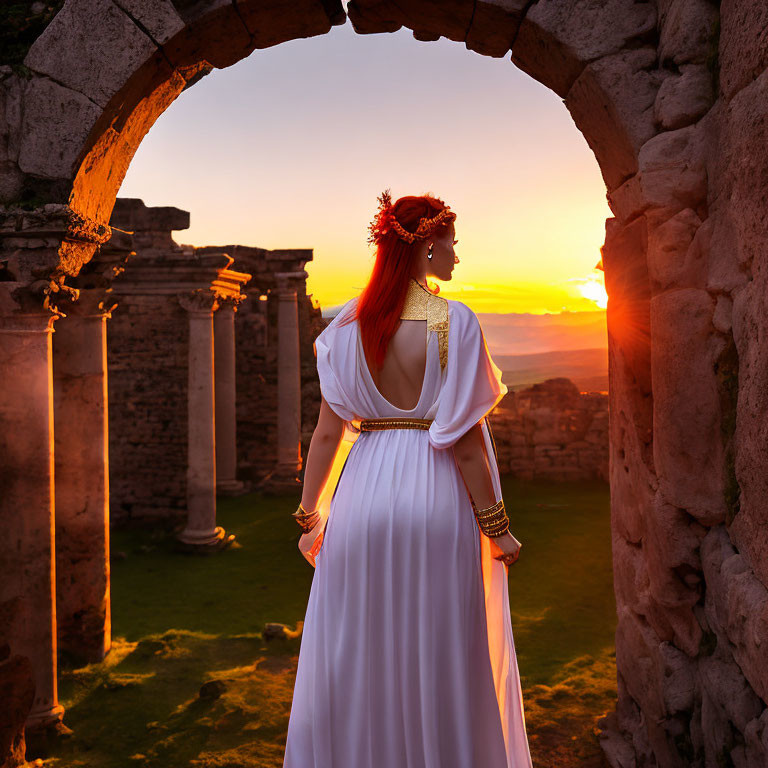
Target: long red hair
(381,302)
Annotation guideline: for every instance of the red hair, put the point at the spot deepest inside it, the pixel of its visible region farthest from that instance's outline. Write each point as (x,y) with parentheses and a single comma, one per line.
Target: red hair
(381,302)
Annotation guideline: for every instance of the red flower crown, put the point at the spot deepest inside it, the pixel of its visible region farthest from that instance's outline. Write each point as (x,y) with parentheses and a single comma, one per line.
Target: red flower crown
(385,221)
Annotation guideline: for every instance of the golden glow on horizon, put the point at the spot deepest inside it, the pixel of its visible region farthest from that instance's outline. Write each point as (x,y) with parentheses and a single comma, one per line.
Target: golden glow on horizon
(594,290)
(308,145)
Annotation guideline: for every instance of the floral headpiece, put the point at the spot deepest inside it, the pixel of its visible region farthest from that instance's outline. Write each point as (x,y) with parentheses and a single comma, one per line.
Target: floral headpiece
(385,221)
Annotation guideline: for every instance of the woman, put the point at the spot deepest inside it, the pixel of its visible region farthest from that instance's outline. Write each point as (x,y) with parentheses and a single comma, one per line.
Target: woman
(407,658)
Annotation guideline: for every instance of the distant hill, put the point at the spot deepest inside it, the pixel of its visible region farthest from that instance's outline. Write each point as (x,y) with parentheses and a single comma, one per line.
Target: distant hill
(531,348)
(524,333)
(587,368)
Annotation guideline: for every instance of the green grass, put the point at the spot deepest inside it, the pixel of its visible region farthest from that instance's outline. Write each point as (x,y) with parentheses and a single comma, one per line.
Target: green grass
(181,620)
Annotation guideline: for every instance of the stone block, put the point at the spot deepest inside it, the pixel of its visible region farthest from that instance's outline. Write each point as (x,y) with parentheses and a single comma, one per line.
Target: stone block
(743,48)
(281,20)
(626,200)
(159,18)
(429,20)
(672,170)
(658,675)
(558,38)
(92,47)
(739,169)
(672,263)
(133,215)
(728,690)
(688,32)
(11,98)
(756,738)
(736,605)
(611,103)
(682,99)
(749,529)
(687,447)
(494,26)
(56,123)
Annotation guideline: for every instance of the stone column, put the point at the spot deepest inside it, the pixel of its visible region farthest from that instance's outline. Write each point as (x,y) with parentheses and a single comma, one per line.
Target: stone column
(225,390)
(201,533)
(27,584)
(285,477)
(82,478)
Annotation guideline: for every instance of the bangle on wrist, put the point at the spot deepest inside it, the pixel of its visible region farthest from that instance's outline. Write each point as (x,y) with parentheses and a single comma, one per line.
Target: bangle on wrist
(493,520)
(306,520)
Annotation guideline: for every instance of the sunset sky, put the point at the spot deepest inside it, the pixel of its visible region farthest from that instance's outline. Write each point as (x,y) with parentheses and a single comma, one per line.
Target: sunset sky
(291,147)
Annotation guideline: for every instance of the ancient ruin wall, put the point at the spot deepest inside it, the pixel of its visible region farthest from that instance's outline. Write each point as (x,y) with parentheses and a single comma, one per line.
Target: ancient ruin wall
(551,431)
(256,334)
(148,372)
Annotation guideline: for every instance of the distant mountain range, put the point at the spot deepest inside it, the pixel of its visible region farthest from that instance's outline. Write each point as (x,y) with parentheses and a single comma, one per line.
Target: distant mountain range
(587,368)
(530,348)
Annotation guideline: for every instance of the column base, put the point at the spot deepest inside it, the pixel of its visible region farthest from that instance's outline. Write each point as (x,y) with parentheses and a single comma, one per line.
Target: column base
(204,542)
(44,718)
(230,488)
(42,738)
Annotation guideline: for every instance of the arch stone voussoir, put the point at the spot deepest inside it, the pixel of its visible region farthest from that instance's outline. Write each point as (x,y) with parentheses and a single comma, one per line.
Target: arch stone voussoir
(558,38)
(90,47)
(427,19)
(611,102)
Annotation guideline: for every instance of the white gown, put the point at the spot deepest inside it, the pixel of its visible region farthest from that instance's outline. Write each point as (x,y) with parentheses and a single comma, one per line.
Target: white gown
(407,658)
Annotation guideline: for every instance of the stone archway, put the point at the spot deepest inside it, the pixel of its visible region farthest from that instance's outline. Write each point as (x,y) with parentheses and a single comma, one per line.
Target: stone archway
(671,96)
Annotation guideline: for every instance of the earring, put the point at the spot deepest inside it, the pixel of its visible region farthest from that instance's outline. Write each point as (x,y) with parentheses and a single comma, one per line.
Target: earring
(429,252)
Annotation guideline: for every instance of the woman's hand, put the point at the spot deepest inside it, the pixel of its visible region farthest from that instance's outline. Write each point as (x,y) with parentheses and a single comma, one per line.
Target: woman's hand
(508,546)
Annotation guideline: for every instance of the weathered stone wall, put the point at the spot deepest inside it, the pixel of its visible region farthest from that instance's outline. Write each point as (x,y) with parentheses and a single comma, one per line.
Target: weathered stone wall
(147,358)
(551,431)
(689,488)
(147,354)
(148,340)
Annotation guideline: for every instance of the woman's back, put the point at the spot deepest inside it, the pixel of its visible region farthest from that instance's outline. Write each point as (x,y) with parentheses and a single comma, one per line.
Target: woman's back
(400,379)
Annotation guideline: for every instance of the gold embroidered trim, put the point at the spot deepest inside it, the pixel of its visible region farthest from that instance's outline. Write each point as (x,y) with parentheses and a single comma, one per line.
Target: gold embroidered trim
(372,425)
(420,304)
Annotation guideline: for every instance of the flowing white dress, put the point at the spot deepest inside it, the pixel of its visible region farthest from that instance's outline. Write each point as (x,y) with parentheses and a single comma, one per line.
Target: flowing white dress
(407,658)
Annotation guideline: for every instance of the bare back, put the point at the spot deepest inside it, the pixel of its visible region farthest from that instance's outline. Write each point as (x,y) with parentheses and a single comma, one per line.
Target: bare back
(401,377)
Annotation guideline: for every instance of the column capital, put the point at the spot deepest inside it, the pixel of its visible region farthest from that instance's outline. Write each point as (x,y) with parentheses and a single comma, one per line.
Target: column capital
(288,283)
(229,302)
(91,302)
(26,309)
(201,301)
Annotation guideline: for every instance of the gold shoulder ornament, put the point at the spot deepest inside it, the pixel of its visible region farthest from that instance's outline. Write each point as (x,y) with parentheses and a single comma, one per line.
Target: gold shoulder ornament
(421,304)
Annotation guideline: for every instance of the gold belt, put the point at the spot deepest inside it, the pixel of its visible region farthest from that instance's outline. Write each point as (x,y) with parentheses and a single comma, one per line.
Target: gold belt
(372,425)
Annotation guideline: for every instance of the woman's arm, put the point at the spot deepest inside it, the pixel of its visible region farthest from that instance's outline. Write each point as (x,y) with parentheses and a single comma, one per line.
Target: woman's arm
(322,451)
(474,466)
(469,451)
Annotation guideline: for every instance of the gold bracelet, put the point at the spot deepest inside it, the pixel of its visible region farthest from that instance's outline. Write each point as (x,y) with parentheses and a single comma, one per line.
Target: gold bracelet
(306,520)
(492,515)
(495,529)
(493,520)
(496,534)
(489,511)
(498,512)
(502,521)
